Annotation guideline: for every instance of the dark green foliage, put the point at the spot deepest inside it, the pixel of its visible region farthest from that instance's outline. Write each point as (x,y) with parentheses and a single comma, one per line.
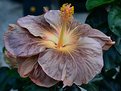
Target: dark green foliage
(10,79)
(91,4)
(109,22)
(98,19)
(114,20)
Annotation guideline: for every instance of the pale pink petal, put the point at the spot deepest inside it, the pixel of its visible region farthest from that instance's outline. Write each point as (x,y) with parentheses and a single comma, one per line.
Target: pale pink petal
(76,67)
(58,66)
(70,70)
(89,60)
(98,35)
(87,31)
(36,25)
(26,65)
(53,64)
(39,77)
(29,67)
(53,18)
(20,42)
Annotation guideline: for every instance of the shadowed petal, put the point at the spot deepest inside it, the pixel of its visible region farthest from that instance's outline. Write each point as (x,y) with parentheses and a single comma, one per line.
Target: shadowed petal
(20,43)
(26,65)
(10,59)
(39,77)
(71,71)
(77,67)
(58,66)
(53,18)
(89,60)
(53,64)
(36,25)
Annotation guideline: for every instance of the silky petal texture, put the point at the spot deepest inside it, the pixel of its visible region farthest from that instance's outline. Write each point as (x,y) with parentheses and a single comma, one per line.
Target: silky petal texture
(83,64)
(89,60)
(87,31)
(53,18)
(58,66)
(29,67)
(39,77)
(26,65)
(21,43)
(53,64)
(36,25)
(101,37)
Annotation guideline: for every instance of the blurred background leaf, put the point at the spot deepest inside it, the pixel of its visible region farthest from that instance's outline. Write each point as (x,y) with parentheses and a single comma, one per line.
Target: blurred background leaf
(118,45)
(114,20)
(98,19)
(91,4)
(107,20)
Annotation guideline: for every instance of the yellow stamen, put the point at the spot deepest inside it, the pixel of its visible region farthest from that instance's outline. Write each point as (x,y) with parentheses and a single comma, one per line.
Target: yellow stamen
(66,13)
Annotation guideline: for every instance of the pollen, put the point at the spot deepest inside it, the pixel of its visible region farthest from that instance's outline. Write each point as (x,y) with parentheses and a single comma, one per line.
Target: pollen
(66,11)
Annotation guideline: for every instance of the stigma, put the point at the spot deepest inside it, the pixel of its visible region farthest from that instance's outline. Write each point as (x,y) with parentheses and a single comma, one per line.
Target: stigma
(66,12)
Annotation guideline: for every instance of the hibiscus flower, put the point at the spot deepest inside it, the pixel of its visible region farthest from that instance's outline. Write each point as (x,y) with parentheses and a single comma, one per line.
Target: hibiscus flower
(55,47)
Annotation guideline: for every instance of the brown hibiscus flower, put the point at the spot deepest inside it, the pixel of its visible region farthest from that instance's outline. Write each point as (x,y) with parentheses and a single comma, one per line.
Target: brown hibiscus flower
(54,47)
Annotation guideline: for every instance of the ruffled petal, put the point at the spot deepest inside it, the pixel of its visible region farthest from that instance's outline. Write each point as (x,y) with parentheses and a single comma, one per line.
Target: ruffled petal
(53,18)
(26,65)
(70,70)
(77,67)
(85,30)
(21,43)
(36,25)
(39,77)
(58,66)
(89,60)
(104,40)
(53,64)
(29,67)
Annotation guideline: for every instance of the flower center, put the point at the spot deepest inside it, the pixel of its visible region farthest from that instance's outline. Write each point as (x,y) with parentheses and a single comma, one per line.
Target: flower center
(66,13)
(65,39)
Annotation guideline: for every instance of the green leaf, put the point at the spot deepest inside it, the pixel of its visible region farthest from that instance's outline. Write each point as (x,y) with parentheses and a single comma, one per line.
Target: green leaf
(10,79)
(109,85)
(118,77)
(90,87)
(72,88)
(118,45)
(91,4)
(97,79)
(114,20)
(111,59)
(34,87)
(98,19)
(82,89)
(110,73)
(4,86)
